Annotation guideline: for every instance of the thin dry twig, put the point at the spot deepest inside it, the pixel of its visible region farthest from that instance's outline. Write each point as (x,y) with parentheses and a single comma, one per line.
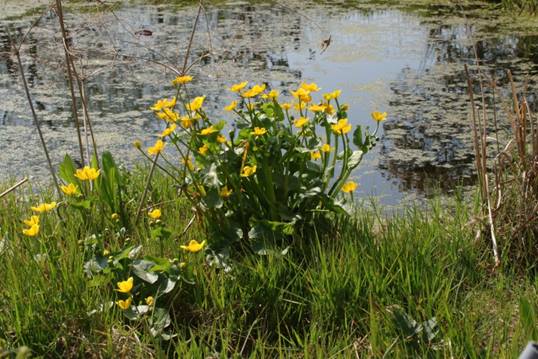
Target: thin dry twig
(14,187)
(34,115)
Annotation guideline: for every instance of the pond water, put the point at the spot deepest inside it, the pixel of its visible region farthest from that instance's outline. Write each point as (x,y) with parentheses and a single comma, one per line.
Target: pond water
(404,60)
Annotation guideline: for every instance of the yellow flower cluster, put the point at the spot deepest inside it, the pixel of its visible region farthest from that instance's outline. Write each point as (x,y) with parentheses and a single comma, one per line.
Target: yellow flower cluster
(44,207)
(33,222)
(125,287)
(33,226)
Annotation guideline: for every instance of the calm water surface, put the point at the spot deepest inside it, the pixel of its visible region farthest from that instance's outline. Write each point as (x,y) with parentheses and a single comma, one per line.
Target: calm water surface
(382,58)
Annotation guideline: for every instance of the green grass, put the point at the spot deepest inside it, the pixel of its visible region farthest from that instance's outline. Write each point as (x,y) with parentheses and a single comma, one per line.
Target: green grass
(355,292)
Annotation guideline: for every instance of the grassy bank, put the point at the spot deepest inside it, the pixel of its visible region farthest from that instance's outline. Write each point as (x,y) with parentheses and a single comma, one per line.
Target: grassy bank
(416,284)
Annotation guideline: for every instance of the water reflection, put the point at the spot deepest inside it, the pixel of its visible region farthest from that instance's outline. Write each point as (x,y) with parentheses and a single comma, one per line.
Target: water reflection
(429,136)
(382,60)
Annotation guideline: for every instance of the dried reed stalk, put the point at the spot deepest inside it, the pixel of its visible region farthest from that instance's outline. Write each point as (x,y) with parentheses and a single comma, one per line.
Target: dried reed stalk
(67,51)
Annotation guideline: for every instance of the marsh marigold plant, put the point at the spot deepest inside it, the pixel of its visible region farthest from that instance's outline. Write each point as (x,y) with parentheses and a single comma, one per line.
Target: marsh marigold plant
(271,169)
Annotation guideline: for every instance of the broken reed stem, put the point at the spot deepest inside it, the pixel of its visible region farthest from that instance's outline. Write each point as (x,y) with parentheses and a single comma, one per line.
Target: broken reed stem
(74,107)
(516,123)
(14,187)
(154,163)
(475,128)
(34,115)
(494,103)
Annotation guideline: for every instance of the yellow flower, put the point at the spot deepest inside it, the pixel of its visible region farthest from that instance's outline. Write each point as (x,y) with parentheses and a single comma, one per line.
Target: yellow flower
(221,139)
(181,80)
(285,106)
(155,214)
(254,91)
(44,207)
(168,131)
(231,106)
(341,127)
(163,104)
(300,122)
(208,130)
(273,95)
(87,173)
(259,131)
(157,148)
(344,107)
(250,106)
(186,122)
(332,95)
(203,150)
(379,116)
(317,108)
(115,217)
(329,109)
(311,87)
(225,192)
(196,104)
(71,189)
(32,231)
(168,115)
(33,220)
(150,300)
(349,186)
(302,94)
(315,155)
(326,148)
(124,304)
(248,171)
(194,246)
(238,87)
(125,286)
(106,252)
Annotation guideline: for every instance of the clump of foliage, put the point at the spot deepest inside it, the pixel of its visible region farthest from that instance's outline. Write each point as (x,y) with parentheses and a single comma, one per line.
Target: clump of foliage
(274,171)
